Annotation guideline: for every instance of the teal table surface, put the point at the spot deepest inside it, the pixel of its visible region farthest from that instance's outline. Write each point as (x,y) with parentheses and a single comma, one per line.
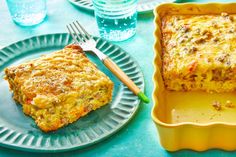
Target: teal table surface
(139,137)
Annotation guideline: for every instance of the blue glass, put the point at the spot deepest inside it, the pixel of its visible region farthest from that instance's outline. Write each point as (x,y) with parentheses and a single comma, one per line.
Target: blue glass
(27,12)
(116,19)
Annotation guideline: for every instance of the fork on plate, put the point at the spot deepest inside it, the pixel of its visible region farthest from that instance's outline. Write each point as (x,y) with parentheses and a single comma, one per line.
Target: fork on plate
(86,41)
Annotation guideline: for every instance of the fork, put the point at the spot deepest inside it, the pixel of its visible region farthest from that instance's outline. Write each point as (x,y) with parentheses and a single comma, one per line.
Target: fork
(86,41)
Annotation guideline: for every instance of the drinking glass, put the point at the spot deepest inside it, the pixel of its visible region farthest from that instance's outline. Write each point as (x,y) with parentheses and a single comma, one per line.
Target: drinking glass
(116,19)
(27,12)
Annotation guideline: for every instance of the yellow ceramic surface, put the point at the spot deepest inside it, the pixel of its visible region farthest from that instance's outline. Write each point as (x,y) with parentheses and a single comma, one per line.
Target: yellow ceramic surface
(187,120)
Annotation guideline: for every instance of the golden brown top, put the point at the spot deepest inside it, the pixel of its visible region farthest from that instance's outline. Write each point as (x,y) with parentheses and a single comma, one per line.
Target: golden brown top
(199,42)
(55,75)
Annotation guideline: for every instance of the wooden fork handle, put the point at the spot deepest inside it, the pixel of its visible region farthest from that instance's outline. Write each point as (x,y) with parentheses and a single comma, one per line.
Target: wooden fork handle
(125,79)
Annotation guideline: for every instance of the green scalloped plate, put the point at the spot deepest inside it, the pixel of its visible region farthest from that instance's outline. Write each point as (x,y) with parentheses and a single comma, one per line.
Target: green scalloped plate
(19,131)
(143,5)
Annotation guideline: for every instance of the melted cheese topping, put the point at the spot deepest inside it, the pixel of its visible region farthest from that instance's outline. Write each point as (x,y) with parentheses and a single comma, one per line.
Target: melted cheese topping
(199,52)
(58,88)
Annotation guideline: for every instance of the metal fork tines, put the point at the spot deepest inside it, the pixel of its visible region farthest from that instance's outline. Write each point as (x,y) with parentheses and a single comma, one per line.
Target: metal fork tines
(81,35)
(84,39)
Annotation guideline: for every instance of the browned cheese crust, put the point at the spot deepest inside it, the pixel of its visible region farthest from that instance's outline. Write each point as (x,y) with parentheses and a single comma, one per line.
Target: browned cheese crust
(59,88)
(199,52)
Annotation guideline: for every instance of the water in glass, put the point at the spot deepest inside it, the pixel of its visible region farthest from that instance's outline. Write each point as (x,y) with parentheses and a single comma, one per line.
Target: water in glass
(116,19)
(27,12)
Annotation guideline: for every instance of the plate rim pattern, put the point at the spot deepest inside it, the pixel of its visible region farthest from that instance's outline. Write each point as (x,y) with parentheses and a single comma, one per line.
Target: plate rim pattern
(14,139)
(141,8)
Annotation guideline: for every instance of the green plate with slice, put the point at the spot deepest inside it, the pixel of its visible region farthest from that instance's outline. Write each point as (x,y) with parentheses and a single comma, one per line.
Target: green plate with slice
(19,131)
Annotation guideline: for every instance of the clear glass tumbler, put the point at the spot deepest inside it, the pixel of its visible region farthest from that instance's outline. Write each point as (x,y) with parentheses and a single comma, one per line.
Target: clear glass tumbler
(27,12)
(116,19)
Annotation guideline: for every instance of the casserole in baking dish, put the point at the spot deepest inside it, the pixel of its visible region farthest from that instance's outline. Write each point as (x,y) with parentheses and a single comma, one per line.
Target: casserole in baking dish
(186,116)
(199,52)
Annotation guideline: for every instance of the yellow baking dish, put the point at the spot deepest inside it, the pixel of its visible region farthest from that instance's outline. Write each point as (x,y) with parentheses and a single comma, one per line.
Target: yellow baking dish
(187,120)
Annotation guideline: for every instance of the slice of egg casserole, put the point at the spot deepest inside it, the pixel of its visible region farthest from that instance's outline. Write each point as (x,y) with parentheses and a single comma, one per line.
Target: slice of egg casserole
(59,88)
